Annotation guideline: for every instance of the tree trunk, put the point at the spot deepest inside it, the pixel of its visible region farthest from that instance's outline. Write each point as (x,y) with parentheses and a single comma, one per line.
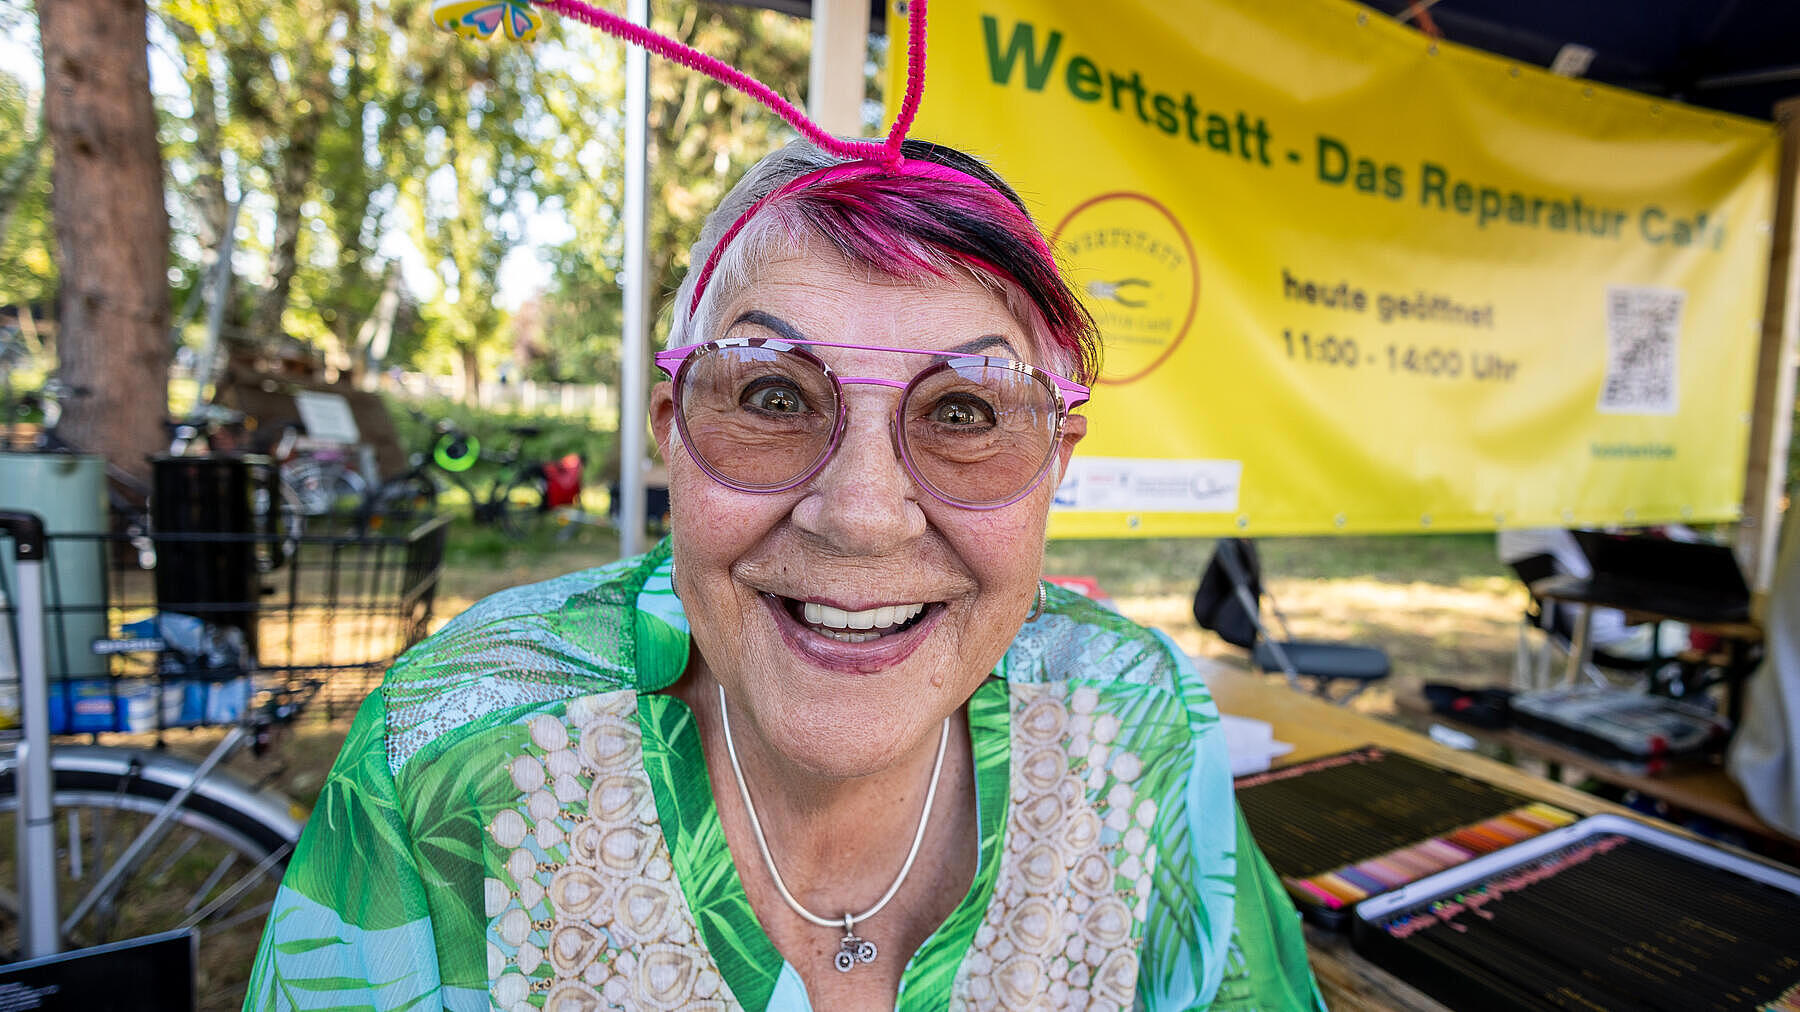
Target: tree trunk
(471,373)
(369,350)
(112,231)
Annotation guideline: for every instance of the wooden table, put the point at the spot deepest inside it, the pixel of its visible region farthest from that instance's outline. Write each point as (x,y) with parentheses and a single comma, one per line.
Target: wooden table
(1316,728)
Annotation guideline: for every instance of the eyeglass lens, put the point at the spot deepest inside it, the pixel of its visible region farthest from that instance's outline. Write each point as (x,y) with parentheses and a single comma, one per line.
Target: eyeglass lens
(763,419)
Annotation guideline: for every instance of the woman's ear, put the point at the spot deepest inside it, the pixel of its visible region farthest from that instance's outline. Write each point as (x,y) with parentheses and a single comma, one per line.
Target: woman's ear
(1074,428)
(662,416)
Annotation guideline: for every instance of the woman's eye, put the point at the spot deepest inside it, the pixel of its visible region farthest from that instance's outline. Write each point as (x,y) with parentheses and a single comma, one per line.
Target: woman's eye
(775,397)
(962,412)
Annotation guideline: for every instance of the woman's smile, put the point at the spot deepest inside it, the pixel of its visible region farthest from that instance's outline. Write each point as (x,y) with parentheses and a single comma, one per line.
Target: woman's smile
(858,626)
(854,641)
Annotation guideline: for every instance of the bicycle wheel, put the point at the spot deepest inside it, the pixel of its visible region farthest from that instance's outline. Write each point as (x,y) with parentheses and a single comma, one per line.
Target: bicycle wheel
(521,509)
(328,496)
(287,520)
(215,864)
(400,501)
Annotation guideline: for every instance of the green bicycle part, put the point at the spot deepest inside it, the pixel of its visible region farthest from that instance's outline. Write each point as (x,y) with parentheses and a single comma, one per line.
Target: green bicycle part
(456,453)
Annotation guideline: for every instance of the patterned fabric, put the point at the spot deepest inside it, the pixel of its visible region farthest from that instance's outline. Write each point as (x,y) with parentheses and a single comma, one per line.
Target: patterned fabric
(520,820)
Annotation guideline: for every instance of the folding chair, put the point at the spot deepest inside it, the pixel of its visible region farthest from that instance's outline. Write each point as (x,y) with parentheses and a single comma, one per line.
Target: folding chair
(1229,602)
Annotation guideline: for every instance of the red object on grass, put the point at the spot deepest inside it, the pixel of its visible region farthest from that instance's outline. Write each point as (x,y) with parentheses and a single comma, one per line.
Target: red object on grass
(563,481)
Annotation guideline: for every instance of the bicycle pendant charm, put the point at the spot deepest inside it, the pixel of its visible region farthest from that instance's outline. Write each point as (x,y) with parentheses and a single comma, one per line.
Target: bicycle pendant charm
(853,950)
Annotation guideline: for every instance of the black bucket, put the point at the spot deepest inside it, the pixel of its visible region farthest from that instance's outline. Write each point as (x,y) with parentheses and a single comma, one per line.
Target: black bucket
(213,531)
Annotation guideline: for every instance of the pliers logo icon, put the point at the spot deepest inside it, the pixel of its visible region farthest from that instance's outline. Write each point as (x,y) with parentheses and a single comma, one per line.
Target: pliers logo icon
(1116,291)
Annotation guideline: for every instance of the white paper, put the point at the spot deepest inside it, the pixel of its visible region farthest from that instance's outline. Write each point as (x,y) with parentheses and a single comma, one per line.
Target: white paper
(327,417)
(1251,743)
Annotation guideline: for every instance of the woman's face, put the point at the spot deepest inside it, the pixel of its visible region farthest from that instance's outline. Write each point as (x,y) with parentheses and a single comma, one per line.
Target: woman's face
(759,574)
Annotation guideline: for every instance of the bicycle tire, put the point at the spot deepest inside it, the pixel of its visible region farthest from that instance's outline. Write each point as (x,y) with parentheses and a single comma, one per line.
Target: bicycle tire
(215,866)
(520,509)
(288,516)
(410,498)
(325,494)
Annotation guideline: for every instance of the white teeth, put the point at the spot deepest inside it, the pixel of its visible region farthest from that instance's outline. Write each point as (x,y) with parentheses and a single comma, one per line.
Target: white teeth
(884,617)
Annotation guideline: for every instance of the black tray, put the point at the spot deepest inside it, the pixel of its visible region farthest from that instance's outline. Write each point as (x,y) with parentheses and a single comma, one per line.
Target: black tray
(1609,913)
(1649,733)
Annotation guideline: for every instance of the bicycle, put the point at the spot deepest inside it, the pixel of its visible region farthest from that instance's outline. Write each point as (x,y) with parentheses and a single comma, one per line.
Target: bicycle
(144,840)
(516,497)
(318,482)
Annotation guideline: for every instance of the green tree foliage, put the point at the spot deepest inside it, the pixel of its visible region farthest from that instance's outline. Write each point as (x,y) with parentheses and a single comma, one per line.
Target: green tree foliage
(575,337)
(703,135)
(341,271)
(346,124)
(277,100)
(27,263)
(467,125)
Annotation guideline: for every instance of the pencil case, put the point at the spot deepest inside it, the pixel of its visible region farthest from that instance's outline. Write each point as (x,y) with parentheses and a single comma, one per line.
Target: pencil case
(1341,828)
(1608,913)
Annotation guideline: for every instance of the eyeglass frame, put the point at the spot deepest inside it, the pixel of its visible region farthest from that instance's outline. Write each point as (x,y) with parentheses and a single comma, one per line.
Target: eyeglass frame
(1067,393)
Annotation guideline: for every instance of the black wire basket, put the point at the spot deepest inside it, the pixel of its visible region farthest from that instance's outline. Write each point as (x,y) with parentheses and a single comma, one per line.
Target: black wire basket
(148,629)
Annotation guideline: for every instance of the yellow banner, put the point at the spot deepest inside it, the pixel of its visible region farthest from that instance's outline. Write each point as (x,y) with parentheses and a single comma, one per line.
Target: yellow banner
(1350,280)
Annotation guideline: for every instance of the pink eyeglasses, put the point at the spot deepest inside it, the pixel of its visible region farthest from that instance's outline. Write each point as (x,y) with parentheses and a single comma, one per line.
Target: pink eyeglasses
(763,414)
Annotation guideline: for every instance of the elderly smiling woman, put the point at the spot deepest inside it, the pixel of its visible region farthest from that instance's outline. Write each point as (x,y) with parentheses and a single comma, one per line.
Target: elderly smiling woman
(833,744)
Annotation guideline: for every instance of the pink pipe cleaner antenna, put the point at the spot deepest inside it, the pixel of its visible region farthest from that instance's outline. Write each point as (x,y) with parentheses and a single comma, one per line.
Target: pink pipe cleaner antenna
(859,157)
(886,153)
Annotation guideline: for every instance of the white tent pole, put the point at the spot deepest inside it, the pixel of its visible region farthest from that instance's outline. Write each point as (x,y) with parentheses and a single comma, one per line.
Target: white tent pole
(840,43)
(1771,420)
(635,338)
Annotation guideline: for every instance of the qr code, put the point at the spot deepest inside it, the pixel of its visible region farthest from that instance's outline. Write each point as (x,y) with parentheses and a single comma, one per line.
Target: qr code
(1643,337)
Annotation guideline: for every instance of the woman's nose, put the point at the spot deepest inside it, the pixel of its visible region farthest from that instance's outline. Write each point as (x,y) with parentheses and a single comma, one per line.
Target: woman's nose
(863,501)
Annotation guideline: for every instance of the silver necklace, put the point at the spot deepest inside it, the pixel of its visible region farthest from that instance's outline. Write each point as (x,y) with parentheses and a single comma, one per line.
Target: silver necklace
(853,949)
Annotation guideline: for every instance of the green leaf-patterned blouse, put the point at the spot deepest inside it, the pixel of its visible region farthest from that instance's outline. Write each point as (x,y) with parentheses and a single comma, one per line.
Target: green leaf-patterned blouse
(520,820)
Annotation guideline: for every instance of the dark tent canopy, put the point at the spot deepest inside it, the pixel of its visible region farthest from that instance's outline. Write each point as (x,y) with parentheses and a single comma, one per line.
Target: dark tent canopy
(1740,56)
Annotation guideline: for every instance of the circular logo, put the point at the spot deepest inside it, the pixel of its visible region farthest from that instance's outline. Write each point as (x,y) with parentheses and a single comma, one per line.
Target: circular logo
(1134,268)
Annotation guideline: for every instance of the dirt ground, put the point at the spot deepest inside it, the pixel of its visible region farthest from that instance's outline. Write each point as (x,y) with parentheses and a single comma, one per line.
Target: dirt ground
(1465,634)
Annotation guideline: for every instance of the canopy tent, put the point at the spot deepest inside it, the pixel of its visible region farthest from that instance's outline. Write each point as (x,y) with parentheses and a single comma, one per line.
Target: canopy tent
(1740,56)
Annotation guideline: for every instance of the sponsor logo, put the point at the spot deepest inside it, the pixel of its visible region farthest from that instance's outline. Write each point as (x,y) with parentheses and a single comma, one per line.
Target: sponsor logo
(1152,486)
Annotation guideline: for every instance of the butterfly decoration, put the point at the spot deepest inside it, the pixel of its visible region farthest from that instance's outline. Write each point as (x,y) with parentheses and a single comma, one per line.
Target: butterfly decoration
(480,19)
